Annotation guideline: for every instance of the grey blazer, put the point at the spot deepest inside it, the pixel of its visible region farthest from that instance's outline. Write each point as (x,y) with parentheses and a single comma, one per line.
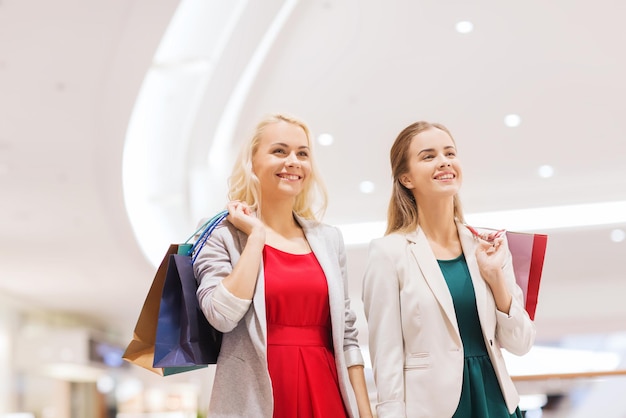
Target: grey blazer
(242,386)
(415,344)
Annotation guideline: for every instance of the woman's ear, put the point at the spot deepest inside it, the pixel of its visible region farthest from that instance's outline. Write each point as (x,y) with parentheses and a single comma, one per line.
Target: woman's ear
(405,180)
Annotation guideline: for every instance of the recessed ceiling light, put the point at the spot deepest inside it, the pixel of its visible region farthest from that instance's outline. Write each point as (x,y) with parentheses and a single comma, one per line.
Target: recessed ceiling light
(546,171)
(618,235)
(367,187)
(512,120)
(325,139)
(464,26)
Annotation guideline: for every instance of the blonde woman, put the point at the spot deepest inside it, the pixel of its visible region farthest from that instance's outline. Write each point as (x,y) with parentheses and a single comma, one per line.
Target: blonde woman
(273,279)
(439,301)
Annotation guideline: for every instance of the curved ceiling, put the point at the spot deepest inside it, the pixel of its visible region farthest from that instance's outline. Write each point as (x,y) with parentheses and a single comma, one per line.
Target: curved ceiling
(71,74)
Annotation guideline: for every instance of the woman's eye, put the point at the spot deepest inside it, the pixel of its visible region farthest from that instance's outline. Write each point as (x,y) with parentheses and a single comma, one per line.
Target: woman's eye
(303,154)
(279,151)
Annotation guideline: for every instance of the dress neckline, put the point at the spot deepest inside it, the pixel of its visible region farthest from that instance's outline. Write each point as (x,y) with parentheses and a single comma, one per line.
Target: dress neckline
(285,252)
(452,260)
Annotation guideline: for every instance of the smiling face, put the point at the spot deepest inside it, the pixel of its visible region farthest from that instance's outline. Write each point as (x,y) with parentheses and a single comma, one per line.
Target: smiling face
(282,161)
(433,167)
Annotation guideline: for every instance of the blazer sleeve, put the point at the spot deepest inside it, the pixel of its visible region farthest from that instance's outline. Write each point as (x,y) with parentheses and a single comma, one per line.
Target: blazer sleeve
(215,261)
(515,332)
(351,349)
(381,299)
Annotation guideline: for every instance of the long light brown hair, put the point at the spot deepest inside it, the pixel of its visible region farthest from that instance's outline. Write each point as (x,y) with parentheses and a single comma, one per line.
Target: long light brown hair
(244,185)
(402,213)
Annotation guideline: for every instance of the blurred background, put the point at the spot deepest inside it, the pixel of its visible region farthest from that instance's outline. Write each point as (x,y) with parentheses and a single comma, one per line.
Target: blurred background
(120,121)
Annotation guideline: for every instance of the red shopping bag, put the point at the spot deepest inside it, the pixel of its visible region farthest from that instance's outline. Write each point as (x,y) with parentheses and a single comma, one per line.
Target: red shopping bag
(528,251)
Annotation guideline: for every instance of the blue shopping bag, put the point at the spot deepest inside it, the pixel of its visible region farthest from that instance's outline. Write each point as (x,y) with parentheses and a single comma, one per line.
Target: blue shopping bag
(184,337)
(186,341)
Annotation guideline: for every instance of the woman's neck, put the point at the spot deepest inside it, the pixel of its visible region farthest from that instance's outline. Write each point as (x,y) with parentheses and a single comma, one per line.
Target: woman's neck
(436,219)
(278,216)
(282,229)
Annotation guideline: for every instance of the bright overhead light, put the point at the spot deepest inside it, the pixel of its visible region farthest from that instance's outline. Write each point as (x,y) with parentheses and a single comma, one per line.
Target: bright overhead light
(464,27)
(512,120)
(72,372)
(325,139)
(542,360)
(105,384)
(362,233)
(520,220)
(618,235)
(367,187)
(553,217)
(546,171)
(532,402)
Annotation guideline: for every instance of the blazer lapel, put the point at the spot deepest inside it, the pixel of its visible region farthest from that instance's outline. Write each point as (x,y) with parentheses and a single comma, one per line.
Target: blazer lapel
(468,242)
(320,247)
(427,263)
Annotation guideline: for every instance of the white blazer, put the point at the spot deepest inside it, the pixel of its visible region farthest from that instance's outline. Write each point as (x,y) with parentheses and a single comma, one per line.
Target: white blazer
(242,386)
(414,339)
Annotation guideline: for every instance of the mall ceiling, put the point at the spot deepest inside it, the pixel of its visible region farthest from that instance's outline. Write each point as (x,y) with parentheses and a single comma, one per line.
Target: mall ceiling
(71,72)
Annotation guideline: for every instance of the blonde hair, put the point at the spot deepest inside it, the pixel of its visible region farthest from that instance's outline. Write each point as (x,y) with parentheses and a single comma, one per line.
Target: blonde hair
(402,213)
(244,184)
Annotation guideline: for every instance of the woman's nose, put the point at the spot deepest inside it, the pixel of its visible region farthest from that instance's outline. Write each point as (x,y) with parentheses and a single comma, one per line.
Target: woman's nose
(292,160)
(445,162)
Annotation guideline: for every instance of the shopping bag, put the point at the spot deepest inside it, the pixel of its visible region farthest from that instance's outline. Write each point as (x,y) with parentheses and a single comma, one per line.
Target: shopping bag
(528,251)
(184,337)
(140,351)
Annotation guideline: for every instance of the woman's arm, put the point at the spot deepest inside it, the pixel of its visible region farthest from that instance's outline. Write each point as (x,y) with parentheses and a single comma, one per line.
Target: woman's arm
(515,331)
(352,351)
(226,286)
(357,379)
(242,281)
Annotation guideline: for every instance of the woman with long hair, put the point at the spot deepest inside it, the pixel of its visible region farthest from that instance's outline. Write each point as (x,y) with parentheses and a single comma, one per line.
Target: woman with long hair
(440,301)
(273,279)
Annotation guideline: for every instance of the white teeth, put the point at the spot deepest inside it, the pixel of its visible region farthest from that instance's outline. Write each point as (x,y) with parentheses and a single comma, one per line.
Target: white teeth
(289,176)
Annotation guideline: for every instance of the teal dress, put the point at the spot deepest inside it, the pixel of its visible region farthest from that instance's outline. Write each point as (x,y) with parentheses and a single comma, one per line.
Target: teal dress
(481,395)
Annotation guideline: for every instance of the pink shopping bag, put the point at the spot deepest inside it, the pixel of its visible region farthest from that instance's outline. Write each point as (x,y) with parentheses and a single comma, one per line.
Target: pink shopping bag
(528,252)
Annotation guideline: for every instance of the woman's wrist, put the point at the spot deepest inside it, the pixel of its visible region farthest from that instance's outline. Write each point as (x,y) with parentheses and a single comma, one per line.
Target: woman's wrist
(257,233)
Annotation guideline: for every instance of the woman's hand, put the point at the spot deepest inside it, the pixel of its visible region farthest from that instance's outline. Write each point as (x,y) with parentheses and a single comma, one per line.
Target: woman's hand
(240,215)
(490,257)
(241,281)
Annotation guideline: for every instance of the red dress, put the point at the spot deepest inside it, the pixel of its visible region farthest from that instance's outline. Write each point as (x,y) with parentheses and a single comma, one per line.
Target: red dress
(299,344)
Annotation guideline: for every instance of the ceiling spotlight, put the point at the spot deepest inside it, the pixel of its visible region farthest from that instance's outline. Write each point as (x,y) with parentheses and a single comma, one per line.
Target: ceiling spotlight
(367,187)
(325,139)
(464,27)
(618,235)
(512,120)
(546,171)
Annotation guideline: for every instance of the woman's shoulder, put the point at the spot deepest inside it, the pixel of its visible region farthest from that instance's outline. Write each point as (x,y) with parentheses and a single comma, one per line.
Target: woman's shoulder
(224,232)
(316,225)
(394,238)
